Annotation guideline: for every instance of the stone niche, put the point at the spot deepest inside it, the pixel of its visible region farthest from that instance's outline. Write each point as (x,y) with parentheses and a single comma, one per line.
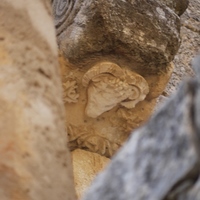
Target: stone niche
(115,61)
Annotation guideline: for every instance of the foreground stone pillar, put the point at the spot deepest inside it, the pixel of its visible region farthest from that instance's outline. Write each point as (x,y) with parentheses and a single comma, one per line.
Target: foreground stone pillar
(34,160)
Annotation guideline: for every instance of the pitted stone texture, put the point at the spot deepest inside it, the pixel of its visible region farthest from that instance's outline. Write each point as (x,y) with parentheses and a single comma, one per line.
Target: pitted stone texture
(143,35)
(178,6)
(104,132)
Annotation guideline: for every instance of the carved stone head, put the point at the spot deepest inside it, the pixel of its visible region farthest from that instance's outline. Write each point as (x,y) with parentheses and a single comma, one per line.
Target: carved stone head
(109,85)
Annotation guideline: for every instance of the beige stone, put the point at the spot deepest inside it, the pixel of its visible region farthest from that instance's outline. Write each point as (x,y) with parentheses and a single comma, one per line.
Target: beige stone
(106,101)
(34,160)
(98,117)
(109,85)
(86,166)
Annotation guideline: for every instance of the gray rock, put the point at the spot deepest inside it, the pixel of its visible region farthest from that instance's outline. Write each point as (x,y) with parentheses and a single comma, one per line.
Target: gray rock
(139,33)
(190,45)
(178,6)
(161,159)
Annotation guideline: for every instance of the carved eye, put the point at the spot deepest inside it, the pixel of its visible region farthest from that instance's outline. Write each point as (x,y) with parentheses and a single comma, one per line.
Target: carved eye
(135,93)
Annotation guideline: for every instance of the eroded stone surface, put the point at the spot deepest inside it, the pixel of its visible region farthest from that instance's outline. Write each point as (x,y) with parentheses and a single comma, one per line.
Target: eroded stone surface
(109,85)
(141,38)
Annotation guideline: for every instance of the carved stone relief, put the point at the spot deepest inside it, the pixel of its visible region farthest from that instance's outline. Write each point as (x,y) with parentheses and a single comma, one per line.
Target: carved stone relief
(70,91)
(105,102)
(117,62)
(115,66)
(109,85)
(84,137)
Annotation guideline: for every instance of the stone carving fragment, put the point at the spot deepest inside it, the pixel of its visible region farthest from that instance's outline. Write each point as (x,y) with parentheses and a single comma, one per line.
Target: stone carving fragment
(82,137)
(109,85)
(108,131)
(70,91)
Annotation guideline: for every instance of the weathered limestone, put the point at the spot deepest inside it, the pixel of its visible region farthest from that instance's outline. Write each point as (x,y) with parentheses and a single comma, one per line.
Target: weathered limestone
(132,33)
(116,60)
(160,160)
(34,159)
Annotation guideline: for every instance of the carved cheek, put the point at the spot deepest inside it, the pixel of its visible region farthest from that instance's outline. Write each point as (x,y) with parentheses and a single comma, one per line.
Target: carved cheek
(99,101)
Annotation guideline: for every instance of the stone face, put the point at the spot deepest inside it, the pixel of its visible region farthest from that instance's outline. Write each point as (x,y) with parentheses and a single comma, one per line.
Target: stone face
(161,159)
(109,85)
(34,159)
(103,105)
